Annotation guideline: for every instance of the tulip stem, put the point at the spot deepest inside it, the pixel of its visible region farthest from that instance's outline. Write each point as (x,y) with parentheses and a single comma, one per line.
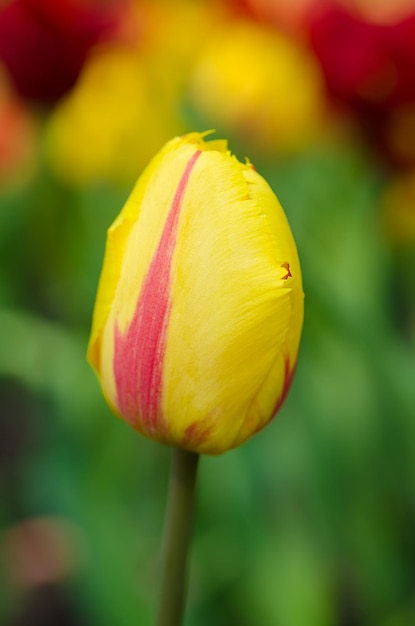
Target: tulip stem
(177,536)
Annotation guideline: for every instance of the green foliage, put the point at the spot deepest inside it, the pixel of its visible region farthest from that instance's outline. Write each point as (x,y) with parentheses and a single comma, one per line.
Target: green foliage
(311,522)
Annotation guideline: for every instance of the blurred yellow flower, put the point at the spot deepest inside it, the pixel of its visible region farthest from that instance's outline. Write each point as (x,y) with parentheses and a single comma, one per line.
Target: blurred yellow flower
(260,84)
(174,32)
(113,121)
(199,309)
(128,100)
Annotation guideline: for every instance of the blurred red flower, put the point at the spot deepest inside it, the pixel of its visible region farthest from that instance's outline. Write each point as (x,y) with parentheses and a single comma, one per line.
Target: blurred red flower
(44,43)
(368,66)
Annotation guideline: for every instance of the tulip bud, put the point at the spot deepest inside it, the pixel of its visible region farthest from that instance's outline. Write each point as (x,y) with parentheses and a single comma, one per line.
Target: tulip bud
(199,309)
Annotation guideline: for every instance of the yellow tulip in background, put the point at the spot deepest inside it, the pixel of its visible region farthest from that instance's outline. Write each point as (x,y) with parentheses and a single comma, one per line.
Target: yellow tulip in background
(199,309)
(262,86)
(120,117)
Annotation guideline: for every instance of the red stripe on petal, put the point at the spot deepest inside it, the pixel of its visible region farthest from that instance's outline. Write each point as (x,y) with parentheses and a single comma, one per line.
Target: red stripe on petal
(139,352)
(197,433)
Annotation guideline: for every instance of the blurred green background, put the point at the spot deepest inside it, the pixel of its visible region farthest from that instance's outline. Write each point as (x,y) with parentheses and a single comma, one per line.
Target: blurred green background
(310,523)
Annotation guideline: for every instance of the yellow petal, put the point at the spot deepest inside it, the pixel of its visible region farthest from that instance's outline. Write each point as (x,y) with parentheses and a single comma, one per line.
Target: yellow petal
(229,331)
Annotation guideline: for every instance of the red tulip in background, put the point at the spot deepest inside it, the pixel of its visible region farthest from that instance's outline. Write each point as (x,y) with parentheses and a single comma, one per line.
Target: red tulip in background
(44,43)
(369,67)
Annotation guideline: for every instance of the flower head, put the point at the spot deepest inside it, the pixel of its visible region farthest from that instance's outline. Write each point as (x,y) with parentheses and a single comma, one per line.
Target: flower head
(199,309)
(44,43)
(277,102)
(368,68)
(122,119)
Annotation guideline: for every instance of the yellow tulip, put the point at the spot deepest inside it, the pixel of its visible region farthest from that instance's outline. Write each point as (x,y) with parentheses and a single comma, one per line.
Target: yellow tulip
(262,86)
(199,309)
(122,114)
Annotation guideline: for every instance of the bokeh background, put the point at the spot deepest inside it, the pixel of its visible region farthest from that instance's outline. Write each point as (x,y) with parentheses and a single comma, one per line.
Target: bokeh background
(312,522)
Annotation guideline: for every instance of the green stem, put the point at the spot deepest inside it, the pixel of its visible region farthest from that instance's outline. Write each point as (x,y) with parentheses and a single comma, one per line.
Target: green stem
(177,536)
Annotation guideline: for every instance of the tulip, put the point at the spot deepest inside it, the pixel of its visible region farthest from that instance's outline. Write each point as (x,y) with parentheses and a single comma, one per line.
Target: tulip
(123,115)
(44,43)
(199,309)
(277,103)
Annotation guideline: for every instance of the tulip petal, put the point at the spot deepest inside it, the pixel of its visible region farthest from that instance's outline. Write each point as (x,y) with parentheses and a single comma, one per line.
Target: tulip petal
(118,234)
(139,352)
(231,307)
